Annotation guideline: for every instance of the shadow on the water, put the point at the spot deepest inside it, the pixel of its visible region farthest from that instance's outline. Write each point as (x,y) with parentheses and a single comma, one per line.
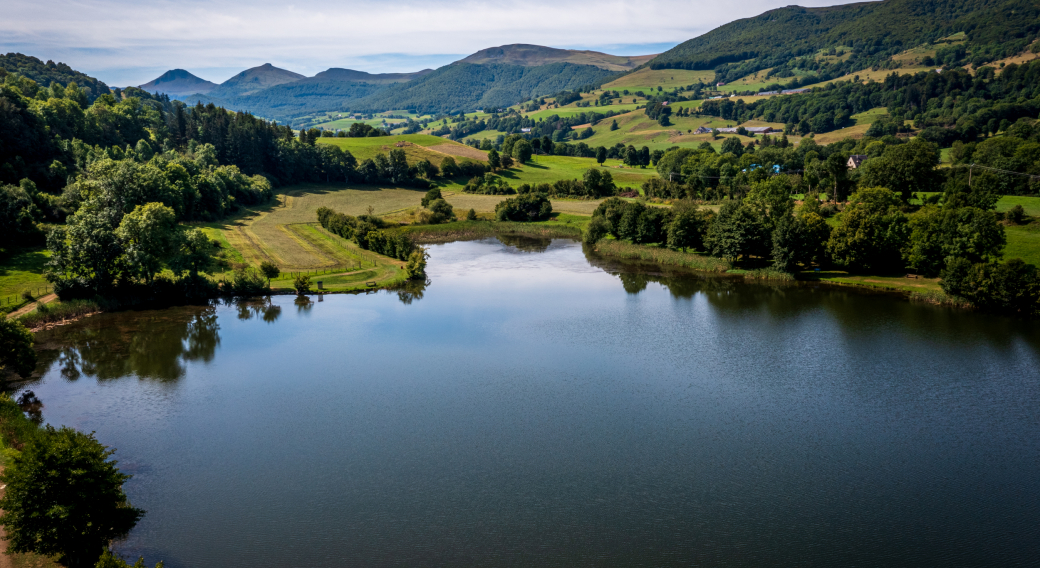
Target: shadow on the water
(151,345)
(525,243)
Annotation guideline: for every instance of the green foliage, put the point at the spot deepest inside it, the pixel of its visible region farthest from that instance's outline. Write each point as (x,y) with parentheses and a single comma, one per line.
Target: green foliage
(1011,287)
(524,208)
(149,239)
(738,231)
(905,169)
(302,284)
(595,230)
(522,151)
(431,195)
(269,269)
(110,560)
(415,267)
(689,228)
(939,235)
(871,233)
(786,40)
(19,216)
(471,215)
(249,282)
(64,498)
(440,212)
(16,349)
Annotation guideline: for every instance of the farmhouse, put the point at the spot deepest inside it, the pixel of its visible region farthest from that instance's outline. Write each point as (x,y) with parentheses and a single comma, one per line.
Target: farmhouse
(795,91)
(855,160)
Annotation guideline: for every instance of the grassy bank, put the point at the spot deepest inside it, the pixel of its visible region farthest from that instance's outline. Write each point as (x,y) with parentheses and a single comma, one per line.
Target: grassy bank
(629,251)
(470,230)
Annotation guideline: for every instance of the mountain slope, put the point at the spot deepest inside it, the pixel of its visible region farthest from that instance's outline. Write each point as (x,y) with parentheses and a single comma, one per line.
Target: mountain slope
(254,80)
(535,55)
(868,34)
(50,72)
(465,86)
(336,74)
(176,82)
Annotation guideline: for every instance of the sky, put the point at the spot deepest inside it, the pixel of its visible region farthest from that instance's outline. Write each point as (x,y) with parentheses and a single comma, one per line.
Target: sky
(130,42)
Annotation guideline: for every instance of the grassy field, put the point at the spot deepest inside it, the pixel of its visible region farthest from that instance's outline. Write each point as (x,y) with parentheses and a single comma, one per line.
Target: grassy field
(1023,241)
(415,146)
(22,270)
(646,79)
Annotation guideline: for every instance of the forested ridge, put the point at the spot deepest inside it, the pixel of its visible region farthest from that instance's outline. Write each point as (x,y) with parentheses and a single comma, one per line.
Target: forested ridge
(789,40)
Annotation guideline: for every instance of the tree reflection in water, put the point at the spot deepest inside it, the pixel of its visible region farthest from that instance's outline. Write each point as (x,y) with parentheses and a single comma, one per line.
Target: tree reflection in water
(261,308)
(151,345)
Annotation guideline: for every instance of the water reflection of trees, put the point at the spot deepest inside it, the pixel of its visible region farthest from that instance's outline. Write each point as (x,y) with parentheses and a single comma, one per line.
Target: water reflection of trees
(411,291)
(853,311)
(153,345)
(259,308)
(526,243)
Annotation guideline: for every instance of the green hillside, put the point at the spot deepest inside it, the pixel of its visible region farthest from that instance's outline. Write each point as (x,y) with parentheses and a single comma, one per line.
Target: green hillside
(836,40)
(50,72)
(465,86)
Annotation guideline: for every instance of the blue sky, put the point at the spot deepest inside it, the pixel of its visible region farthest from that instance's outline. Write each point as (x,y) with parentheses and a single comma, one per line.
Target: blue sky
(129,42)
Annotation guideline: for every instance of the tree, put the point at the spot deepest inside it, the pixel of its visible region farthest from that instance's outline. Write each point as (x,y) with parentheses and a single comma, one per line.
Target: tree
(613,125)
(415,267)
(1011,287)
(631,156)
(687,229)
(601,155)
(905,168)
(732,145)
(195,253)
(269,270)
(656,156)
(522,151)
(526,207)
(871,232)
(149,237)
(302,284)
(837,167)
(64,498)
(16,348)
(737,231)
(450,168)
(494,160)
(937,235)
(430,196)
(597,228)
(441,212)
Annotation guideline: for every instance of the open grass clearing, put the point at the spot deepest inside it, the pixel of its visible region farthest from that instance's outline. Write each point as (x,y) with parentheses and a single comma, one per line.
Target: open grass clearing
(1023,241)
(646,79)
(19,271)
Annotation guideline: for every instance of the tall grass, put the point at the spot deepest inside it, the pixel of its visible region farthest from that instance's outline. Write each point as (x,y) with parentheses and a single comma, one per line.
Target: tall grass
(470,230)
(620,249)
(768,274)
(64,311)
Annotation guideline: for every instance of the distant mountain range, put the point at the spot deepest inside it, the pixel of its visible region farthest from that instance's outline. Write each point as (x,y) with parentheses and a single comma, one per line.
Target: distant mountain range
(801,45)
(493,77)
(536,55)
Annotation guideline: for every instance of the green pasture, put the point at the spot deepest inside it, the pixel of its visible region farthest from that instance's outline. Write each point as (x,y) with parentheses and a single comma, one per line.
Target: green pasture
(22,270)
(668,79)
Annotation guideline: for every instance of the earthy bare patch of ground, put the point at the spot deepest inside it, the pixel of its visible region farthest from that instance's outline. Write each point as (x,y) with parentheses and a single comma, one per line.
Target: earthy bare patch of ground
(459,150)
(24,310)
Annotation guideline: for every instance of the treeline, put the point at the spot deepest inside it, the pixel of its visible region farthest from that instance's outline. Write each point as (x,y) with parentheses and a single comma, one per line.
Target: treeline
(947,106)
(555,128)
(366,231)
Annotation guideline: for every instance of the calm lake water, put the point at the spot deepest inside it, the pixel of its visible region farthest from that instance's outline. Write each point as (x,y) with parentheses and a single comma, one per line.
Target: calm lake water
(533,406)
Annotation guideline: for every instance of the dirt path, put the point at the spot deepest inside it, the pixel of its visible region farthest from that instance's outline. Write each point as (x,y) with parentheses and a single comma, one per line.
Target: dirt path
(22,311)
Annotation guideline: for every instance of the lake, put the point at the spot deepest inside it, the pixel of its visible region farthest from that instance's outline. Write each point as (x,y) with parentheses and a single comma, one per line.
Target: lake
(537,406)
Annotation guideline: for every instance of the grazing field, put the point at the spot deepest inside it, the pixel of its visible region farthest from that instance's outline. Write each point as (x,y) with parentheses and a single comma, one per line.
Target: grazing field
(547,169)
(416,146)
(646,79)
(23,270)
(1023,241)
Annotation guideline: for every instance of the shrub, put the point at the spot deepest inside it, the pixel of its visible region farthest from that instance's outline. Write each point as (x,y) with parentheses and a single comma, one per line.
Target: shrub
(529,207)
(65,498)
(248,282)
(1016,215)
(269,270)
(471,215)
(597,228)
(16,348)
(415,268)
(302,284)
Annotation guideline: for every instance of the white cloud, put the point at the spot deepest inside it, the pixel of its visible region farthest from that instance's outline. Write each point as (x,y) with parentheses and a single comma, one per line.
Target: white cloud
(130,42)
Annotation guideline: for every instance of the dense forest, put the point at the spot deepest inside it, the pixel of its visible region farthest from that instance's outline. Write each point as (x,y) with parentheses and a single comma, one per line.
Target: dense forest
(796,40)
